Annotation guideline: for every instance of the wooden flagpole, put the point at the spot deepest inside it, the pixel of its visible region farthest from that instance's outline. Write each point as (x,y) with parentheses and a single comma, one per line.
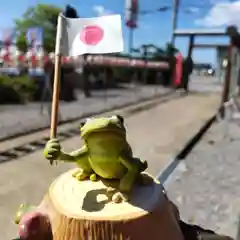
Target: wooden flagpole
(56,83)
(55,100)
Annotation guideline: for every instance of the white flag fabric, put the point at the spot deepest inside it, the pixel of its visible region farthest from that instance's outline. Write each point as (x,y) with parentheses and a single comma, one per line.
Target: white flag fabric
(89,35)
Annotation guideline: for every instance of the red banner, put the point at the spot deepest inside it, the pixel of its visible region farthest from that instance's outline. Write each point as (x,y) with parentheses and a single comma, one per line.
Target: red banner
(132,11)
(178,70)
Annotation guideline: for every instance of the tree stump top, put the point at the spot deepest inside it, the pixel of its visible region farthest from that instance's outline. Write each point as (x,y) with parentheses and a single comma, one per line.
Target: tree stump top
(82,210)
(88,200)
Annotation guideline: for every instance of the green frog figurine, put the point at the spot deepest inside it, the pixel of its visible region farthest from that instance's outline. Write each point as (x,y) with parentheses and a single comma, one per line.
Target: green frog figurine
(105,153)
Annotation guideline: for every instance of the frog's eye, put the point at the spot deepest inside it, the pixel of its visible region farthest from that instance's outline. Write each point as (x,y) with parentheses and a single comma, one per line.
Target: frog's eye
(82,124)
(120,118)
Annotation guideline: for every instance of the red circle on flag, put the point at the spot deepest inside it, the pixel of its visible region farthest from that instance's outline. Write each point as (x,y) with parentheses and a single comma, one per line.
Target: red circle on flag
(92,35)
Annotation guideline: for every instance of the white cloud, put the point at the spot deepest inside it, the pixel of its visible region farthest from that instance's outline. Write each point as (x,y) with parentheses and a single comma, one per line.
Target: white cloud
(213,2)
(193,10)
(221,14)
(143,25)
(100,10)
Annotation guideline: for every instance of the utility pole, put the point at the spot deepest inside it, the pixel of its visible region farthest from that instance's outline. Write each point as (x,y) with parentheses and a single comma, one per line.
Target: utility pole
(174,20)
(130,41)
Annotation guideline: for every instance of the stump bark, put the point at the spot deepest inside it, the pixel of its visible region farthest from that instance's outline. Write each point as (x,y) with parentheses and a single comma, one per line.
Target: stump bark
(82,210)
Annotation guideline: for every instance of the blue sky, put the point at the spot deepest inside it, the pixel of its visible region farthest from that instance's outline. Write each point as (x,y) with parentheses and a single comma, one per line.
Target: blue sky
(153,28)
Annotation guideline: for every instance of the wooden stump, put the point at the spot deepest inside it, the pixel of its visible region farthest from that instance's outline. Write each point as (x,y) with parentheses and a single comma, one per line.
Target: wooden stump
(82,210)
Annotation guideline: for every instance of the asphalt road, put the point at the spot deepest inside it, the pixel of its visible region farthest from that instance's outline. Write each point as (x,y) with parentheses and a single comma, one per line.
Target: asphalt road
(205,84)
(206,185)
(155,135)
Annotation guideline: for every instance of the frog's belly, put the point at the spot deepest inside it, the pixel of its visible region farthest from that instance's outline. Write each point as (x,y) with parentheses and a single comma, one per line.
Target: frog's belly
(107,169)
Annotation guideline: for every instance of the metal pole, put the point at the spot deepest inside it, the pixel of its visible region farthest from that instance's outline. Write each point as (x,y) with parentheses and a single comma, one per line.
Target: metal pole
(226,87)
(145,59)
(174,20)
(130,41)
(130,50)
(191,45)
(174,27)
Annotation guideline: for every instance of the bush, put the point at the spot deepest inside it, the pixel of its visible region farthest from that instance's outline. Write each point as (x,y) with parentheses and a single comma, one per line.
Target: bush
(16,89)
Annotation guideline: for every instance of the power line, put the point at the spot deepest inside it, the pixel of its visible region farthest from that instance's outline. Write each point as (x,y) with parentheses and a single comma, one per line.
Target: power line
(187,8)
(175,11)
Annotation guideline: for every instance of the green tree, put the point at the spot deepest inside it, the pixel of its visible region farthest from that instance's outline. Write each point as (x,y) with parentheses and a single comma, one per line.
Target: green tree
(44,16)
(21,43)
(170,50)
(149,51)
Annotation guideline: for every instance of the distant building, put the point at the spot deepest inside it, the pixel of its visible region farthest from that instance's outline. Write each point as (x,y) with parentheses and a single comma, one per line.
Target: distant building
(203,69)
(201,66)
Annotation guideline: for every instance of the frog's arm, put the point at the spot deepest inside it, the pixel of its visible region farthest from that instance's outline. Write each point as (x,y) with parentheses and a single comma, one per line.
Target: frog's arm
(127,181)
(74,156)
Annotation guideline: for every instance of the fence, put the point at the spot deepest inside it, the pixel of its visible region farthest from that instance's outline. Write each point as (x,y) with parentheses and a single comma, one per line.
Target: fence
(17,60)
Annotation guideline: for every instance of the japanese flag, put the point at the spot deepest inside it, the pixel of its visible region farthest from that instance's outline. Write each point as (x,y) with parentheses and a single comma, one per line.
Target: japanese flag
(89,35)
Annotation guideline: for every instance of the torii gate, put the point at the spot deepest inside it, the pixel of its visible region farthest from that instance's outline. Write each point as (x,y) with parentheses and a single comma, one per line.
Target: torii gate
(193,33)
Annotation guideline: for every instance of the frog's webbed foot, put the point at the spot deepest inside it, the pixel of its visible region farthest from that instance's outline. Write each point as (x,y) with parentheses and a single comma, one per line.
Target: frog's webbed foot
(93,177)
(81,175)
(119,197)
(115,195)
(110,192)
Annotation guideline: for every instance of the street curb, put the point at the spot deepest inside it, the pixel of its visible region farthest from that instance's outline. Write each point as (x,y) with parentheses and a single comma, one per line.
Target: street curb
(165,174)
(87,115)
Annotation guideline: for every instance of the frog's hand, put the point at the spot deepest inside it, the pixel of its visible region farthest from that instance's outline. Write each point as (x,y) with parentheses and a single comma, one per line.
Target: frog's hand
(52,150)
(75,155)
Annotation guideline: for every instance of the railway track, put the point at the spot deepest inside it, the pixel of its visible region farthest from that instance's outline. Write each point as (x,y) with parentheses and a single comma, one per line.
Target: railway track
(23,144)
(94,111)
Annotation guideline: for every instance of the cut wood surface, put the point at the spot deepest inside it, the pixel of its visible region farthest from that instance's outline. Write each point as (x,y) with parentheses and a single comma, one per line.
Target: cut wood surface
(82,210)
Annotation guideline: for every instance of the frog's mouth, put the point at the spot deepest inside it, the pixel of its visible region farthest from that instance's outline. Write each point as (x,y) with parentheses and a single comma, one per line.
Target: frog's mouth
(114,124)
(109,130)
